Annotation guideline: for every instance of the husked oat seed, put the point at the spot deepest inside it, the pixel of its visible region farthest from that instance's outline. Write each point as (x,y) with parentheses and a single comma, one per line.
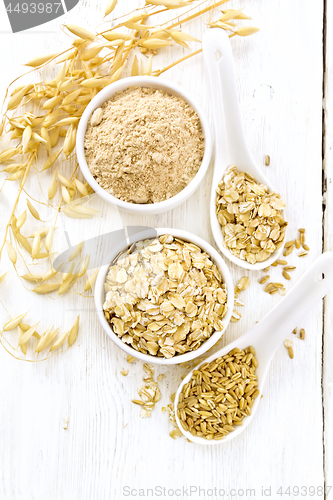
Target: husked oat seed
(250,216)
(302,254)
(165,296)
(302,334)
(144,145)
(286,275)
(289,244)
(219,395)
(288,251)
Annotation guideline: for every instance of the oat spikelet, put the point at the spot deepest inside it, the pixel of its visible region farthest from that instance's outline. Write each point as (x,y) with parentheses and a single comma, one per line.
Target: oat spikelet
(52,187)
(32,277)
(79,212)
(47,288)
(94,83)
(69,143)
(21,220)
(73,95)
(49,240)
(234,14)
(45,340)
(65,194)
(81,187)
(80,32)
(90,281)
(23,241)
(181,38)
(155,43)
(51,160)
(84,266)
(149,66)
(230,14)
(3,276)
(116,35)
(52,102)
(246,31)
(170,4)
(68,121)
(74,332)
(65,182)
(10,325)
(58,343)
(75,252)
(36,246)
(27,335)
(135,67)
(110,6)
(11,252)
(32,210)
(26,137)
(16,176)
(38,61)
(7,154)
(16,99)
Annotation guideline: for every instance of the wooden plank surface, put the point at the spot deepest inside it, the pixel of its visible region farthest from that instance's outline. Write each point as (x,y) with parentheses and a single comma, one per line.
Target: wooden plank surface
(107,447)
(328,244)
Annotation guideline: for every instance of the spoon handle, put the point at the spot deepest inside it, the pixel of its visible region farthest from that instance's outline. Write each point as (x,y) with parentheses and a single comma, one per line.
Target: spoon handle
(230,145)
(270,332)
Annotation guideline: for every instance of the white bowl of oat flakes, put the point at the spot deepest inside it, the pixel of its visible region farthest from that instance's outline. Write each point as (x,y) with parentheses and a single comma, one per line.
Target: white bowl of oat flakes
(143,144)
(165,296)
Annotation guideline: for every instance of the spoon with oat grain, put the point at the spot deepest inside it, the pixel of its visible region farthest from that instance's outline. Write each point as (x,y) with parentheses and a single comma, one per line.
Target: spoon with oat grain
(246,215)
(218,399)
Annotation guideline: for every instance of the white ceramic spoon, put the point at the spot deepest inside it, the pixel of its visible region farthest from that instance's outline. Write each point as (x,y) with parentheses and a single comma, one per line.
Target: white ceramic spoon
(230,145)
(268,335)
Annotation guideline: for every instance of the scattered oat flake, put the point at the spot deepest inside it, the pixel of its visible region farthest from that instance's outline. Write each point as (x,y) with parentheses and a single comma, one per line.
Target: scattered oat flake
(66,420)
(124,372)
(176,433)
(130,359)
(287,343)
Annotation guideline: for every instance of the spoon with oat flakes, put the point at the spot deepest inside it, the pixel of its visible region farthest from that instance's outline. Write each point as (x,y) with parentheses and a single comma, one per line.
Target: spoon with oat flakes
(218,399)
(246,214)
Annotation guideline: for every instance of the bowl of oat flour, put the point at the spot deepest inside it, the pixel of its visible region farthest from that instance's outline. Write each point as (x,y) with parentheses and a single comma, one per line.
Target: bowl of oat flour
(143,144)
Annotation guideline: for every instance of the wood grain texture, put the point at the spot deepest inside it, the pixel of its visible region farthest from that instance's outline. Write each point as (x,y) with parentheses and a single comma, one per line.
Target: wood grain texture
(107,446)
(328,243)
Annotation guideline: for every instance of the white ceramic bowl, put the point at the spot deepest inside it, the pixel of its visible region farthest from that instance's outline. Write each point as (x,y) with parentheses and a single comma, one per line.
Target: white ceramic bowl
(156,83)
(184,235)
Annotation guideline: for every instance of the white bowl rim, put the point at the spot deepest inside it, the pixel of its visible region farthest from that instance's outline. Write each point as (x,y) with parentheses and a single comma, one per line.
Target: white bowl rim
(186,236)
(152,82)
